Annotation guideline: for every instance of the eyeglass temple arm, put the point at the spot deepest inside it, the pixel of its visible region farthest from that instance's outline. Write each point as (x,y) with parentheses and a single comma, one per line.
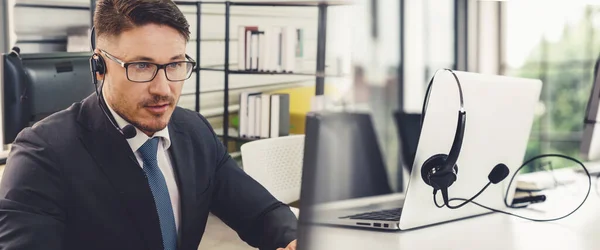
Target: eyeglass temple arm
(190,58)
(113,58)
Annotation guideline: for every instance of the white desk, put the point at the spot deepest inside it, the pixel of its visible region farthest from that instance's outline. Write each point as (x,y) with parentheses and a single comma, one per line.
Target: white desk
(581,230)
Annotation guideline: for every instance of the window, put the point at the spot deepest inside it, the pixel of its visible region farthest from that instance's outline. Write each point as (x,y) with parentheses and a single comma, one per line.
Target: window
(428,46)
(439,36)
(559,45)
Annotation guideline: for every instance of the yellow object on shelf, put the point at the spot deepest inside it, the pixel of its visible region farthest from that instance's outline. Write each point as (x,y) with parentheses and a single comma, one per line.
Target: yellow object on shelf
(300,98)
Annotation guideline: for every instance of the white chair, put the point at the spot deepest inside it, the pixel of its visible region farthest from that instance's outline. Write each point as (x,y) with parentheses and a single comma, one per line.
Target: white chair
(276,163)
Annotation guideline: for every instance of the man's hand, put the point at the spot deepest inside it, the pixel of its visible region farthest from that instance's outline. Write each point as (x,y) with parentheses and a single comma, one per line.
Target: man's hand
(291,246)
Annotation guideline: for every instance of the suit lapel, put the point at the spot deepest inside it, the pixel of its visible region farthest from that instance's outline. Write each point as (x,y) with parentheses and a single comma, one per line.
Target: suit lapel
(181,152)
(115,158)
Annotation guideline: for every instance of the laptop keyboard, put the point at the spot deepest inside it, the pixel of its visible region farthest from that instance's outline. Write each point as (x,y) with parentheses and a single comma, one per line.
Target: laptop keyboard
(382,215)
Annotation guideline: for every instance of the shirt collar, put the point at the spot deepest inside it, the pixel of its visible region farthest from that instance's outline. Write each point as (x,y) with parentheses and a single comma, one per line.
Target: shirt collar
(140,138)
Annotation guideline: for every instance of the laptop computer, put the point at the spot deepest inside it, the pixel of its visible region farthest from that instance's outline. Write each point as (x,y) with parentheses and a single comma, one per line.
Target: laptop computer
(500,112)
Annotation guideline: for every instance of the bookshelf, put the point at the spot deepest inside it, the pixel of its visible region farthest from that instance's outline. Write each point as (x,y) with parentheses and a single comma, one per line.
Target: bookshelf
(227,70)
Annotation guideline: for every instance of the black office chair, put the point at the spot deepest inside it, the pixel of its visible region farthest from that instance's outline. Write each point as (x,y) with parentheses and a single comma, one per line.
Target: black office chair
(409,130)
(342,158)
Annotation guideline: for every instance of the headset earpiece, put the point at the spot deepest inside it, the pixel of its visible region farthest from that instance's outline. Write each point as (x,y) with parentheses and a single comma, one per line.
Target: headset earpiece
(97,66)
(432,174)
(99,62)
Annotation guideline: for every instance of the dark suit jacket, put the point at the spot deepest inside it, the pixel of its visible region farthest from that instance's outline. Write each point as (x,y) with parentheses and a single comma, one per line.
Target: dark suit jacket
(72,182)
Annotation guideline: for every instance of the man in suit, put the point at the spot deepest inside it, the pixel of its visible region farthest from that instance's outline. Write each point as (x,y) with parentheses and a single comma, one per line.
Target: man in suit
(126,168)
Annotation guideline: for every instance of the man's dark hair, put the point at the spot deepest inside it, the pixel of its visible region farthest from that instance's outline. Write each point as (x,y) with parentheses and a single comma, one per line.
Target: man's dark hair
(113,17)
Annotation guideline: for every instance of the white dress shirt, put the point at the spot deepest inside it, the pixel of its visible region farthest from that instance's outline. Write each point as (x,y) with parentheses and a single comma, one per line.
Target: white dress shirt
(162,156)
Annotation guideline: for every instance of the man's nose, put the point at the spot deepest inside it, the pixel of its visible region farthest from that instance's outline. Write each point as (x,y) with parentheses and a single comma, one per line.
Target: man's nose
(160,84)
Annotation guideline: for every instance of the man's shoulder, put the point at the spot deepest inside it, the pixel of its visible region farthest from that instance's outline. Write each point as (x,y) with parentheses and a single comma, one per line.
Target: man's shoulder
(194,125)
(189,119)
(59,127)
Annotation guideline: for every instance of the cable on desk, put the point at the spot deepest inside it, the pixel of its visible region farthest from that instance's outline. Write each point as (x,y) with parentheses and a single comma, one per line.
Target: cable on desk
(548,169)
(510,183)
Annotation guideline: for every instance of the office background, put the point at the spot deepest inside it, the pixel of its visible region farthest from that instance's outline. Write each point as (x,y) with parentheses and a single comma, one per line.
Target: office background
(555,41)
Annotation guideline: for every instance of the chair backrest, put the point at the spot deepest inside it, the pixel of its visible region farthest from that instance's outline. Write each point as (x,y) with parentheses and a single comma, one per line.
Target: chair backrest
(276,163)
(342,158)
(409,131)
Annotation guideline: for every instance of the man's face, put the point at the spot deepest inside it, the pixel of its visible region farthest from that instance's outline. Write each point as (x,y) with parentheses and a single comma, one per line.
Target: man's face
(146,105)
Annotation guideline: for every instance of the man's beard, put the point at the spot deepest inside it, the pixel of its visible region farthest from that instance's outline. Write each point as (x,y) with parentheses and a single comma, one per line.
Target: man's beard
(151,127)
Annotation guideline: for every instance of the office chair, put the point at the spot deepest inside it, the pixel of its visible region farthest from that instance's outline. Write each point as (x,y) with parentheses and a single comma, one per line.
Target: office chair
(409,130)
(342,158)
(276,163)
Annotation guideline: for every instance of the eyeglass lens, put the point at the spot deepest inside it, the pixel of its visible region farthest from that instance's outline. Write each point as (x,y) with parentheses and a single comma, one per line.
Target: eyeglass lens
(177,71)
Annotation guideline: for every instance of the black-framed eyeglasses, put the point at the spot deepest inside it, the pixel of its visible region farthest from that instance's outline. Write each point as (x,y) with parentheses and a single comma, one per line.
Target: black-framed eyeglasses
(146,71)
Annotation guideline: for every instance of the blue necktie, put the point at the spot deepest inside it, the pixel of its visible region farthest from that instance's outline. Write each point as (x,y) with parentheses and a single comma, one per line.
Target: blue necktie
(158,185)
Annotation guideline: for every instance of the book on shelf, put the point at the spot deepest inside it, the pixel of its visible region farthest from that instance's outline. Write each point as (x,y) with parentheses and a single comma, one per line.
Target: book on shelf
(244,35)
(280,115)
(244,129)
(299,104)
(288,49)
(264,115)
(251,116)
(257,116)
(278,49)
(299,51)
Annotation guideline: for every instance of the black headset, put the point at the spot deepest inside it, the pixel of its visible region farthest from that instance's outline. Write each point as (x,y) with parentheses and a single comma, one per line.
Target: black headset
(97,66)
(440,171)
